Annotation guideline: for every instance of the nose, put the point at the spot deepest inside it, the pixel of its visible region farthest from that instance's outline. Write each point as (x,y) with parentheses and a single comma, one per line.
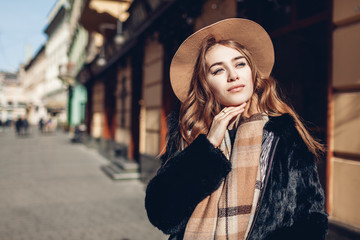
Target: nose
(233,75)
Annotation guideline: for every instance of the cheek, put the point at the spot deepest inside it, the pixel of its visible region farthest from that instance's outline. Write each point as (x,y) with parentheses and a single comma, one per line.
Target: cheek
(249,81)
(250,89)
(215,87)
(251,85)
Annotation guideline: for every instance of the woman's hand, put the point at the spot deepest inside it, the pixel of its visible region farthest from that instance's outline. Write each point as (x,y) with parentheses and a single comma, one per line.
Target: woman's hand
(221,121)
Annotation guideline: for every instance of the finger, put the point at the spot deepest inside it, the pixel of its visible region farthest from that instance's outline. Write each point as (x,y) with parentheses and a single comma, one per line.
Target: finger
(226,111)
(230,108)
(234,113)
(224,120)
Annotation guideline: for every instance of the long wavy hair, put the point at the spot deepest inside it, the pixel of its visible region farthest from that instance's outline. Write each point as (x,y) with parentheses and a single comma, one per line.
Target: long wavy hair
(200,106)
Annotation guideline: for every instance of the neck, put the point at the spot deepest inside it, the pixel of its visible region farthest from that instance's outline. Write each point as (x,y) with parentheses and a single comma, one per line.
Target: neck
(250,109)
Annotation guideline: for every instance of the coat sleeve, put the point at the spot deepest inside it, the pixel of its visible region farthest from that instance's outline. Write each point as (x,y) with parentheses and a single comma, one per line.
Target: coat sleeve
(310,220)
(182,182)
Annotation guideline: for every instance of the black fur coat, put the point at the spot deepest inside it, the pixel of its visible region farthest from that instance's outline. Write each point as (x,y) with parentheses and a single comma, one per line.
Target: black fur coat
(293,200)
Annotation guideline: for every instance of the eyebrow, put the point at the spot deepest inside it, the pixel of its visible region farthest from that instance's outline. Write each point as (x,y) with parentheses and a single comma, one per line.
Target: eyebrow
(220,63)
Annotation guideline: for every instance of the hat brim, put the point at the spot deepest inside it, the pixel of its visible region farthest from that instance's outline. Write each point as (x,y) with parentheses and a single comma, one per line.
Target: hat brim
(246,32)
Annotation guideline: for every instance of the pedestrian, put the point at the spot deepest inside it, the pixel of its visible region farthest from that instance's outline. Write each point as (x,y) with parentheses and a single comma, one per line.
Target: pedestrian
(25,126)
(239,163)
(18,126)
(49,126)
(41,125)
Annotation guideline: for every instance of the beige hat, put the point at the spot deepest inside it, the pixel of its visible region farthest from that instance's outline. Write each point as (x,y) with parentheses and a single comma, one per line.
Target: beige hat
(248,33)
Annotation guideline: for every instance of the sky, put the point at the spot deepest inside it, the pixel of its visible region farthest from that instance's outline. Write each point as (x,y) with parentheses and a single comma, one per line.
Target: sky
(22,24)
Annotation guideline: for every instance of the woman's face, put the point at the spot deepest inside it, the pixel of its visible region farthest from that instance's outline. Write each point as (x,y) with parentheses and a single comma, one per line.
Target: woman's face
(228,75)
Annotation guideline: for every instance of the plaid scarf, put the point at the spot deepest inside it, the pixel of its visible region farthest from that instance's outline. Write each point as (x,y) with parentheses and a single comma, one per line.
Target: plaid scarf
(228,212)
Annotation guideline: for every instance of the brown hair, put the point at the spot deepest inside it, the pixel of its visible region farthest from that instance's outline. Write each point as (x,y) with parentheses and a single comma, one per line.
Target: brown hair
(200,106)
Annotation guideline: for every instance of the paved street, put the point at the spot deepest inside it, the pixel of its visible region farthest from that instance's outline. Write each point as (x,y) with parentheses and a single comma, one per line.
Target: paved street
(51,189)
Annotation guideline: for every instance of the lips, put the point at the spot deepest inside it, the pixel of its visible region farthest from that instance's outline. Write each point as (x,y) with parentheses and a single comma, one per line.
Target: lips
(236,88)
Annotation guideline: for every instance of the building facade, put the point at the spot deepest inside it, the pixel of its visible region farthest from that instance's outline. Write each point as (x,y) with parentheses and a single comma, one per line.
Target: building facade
(56,49)
(316,52)
(344,116)
(34,87)
(12,101)
(77,94)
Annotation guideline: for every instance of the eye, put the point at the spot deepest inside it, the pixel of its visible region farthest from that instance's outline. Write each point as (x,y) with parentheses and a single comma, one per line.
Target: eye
(240,64)
(217,71)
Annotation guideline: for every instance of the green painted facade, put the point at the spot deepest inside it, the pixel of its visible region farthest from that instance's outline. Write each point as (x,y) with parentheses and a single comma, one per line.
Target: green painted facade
(77,92)
(77,105)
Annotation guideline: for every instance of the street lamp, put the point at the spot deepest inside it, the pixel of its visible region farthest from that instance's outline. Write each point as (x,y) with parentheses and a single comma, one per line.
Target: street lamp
(119,37)
(101,61)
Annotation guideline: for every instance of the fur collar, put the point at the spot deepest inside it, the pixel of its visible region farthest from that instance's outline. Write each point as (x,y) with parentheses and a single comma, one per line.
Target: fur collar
(282,126)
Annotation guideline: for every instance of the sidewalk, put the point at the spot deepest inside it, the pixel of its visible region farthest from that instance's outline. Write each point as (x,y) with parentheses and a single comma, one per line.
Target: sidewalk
(51,189)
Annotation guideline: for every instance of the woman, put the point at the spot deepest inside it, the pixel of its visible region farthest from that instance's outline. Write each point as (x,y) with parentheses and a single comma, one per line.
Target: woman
(239,163)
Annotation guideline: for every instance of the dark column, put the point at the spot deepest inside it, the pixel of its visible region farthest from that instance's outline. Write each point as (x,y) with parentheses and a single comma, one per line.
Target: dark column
(137,56)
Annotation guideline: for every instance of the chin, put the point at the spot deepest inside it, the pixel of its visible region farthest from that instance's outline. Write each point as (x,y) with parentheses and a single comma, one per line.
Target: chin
(231,104)
(235,102)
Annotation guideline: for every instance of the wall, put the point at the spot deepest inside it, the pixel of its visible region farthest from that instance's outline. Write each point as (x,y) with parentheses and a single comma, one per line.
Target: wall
(56,49)
(152,97)
(215,10)
(151,104)
(123,105)
(11,97)
(56,55)
(344,191)
(77,55)
(34,88)
(78,105)
(98,110)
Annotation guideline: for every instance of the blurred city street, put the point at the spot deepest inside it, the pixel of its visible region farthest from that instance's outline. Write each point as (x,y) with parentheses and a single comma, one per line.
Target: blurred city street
(103,73)
(52,189)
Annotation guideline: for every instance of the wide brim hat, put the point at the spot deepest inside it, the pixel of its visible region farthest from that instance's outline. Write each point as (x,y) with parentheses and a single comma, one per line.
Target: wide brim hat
(249,34)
